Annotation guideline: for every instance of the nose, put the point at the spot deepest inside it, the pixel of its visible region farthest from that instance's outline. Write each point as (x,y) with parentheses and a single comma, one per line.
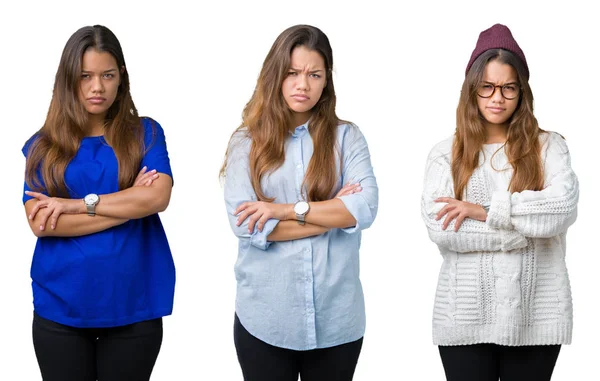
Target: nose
(97,85)
(302,83)
(497,95)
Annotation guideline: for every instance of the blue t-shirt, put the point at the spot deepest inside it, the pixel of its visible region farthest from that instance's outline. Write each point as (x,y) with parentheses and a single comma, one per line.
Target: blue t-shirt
(118,276)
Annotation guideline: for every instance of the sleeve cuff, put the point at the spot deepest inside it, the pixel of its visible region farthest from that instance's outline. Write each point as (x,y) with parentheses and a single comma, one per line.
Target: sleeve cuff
(360,210)
(512,240)
(499,213)
(259,239)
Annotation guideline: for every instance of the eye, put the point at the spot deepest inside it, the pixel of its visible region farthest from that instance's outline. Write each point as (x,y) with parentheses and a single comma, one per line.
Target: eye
(314,75)
(486,86)
(109,75)
(85,76)
(510,87)
(291,73)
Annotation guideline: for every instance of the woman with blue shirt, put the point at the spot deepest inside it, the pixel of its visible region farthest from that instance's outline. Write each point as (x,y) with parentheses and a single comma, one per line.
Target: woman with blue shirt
(299,305)
(96,176)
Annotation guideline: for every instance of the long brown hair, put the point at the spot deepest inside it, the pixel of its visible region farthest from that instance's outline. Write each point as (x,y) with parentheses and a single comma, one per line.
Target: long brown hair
(522,141)
(267,116)
(57,142)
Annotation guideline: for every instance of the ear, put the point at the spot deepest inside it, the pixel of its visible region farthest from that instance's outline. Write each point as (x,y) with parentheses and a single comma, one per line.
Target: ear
(122,69)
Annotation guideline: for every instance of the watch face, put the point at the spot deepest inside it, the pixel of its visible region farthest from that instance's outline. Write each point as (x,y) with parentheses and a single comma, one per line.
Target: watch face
(301,207)
(91,199)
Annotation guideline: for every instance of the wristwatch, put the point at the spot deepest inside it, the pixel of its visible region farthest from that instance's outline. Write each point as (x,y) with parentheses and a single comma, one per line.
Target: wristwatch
(90,201)
(301,208)
(486,207)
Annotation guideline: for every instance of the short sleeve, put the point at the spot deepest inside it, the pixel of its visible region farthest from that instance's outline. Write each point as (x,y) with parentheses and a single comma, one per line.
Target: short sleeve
(25,151)
(156,155)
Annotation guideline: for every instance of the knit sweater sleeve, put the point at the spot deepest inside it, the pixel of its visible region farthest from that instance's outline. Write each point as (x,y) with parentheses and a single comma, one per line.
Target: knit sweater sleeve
(473,235)
(545,213)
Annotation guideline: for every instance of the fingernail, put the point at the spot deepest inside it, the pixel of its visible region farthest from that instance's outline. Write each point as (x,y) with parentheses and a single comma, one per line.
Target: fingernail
(41,227)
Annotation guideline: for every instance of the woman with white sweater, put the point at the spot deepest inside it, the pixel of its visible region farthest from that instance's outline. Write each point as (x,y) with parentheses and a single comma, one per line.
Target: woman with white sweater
(498,199)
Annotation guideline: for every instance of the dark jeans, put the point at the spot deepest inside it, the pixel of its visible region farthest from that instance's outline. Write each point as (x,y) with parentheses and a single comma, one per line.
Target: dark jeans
(125,353)
(490,362)
(263,362)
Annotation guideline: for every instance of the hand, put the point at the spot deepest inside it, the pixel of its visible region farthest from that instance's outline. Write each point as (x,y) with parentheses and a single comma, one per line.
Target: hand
(349,189)
(53,207)
(459,210)
(145,178)
(260,211)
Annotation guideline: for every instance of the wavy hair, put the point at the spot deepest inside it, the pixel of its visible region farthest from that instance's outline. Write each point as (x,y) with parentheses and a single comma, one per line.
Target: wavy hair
(522,145)
(267,116)
(57,142)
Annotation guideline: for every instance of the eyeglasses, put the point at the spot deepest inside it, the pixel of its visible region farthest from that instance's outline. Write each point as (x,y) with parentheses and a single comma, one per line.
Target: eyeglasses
(508,91)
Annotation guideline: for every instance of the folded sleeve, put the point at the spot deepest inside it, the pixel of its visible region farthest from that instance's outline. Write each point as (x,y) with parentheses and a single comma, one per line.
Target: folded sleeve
(473,235)
(357,168)
(545,213)
(238,189)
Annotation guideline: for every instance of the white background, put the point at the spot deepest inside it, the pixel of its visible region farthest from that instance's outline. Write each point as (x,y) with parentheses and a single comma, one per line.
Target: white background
(398,74)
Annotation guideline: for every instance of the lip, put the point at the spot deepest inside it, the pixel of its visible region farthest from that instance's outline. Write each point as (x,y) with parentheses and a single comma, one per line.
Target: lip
(300,97)
(496,110)
(96,100)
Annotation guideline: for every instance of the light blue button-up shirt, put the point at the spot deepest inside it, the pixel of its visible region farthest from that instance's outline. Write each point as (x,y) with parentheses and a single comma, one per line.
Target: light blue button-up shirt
(306,293)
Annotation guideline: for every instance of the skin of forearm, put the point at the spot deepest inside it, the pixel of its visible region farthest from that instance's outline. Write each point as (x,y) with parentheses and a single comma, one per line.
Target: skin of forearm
(136,202)
(329,214)
(290,230)
(73,225)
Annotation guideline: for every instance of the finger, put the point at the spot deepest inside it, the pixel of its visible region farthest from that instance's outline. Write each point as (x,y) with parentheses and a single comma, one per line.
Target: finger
(151,179)
(44,218)
(242,217)
(38,195)
(241,207)
(449,217)
(459,220)
(142,179)
(443,211)
(54,218)
(36,208)
(252,221)
(142,171)
(444,199)
(261,222)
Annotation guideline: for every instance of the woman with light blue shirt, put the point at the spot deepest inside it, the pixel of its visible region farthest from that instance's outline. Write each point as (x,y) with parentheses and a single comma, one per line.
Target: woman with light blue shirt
(299,305)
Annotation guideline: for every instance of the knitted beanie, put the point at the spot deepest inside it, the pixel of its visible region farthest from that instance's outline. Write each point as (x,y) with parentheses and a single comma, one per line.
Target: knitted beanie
(497,37)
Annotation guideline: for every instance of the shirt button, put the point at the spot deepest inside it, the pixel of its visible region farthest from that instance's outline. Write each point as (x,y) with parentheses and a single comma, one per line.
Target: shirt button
(308,280)
(310,311)
(299,166)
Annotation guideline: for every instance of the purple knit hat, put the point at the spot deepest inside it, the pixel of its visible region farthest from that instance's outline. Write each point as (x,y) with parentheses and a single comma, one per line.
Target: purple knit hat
(497,37)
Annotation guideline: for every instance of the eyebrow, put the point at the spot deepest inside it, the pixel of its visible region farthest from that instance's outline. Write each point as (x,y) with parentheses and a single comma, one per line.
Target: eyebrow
(105,71)
(507,83)
(313,71)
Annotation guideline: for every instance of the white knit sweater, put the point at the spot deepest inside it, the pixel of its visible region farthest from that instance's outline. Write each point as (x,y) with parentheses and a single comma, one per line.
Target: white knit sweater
(503,281)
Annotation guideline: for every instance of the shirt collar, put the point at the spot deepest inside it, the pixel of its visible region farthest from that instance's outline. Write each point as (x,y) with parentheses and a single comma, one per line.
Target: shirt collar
(301,129)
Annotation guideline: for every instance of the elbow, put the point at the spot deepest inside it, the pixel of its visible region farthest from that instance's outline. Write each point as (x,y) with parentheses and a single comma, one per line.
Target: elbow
(160,204)
(163,205)
(35,229)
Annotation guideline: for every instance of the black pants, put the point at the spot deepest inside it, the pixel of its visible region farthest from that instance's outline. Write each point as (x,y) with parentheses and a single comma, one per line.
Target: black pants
(263,362)
(490,362)
(126,353)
